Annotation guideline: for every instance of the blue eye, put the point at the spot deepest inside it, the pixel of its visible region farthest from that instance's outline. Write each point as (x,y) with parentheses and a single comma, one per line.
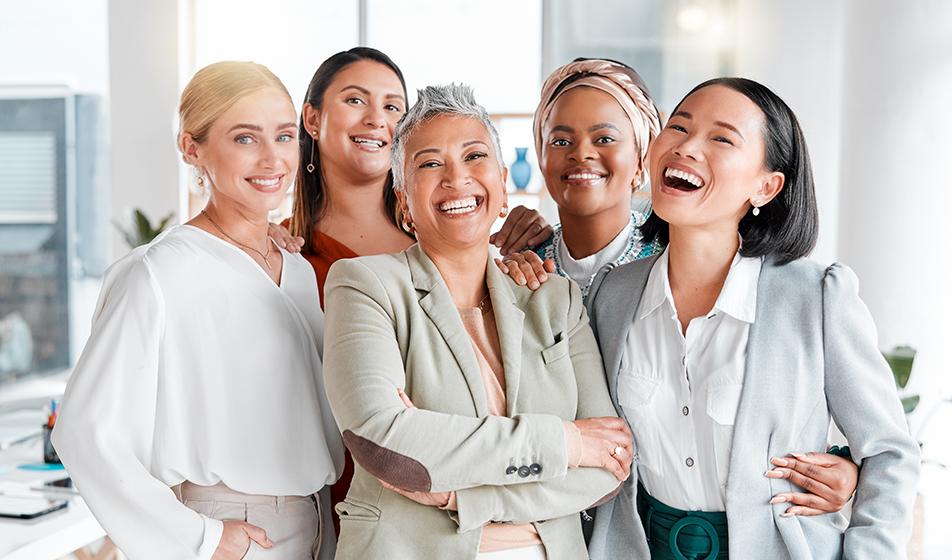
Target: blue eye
(244,139)
(286,137)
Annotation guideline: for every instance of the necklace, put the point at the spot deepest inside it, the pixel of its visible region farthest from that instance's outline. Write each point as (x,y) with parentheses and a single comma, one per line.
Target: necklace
(485,304)
(634,249)
(264,256)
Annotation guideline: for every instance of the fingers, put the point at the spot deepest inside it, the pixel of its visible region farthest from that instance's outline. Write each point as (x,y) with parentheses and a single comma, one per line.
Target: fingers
(283,238)
(821,459)
(526,226)
(257,534)
(526,269)
(809,484)
(544,232)
(501,265)
(549,266)
(809,504)
(501,237)
(820,470)
(622,458)
(802,511)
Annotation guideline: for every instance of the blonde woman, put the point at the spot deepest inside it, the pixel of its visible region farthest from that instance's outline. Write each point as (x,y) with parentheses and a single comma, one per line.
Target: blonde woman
(195,423)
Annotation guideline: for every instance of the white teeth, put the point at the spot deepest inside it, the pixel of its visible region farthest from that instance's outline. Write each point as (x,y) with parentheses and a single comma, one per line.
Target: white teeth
(460,206)
(368,141)
(583,177)
(265,182)
(684,175)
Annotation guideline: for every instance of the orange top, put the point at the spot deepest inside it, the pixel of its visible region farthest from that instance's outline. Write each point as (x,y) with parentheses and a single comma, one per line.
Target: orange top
(324,251)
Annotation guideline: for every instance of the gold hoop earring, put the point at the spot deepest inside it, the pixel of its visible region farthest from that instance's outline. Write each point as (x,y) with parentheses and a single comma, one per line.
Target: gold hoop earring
(406,224)
(310,165)
(201,181)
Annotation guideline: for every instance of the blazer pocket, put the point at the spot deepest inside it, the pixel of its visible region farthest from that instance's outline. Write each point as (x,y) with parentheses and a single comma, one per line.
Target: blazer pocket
(555,352)
(353,510)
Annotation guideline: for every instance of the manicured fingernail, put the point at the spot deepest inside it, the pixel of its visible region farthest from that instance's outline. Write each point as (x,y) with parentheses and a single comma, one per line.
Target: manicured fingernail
(773,474)
(785,514)
(799,455)
(779,462)
(543,277)
(778,500)
(533,284)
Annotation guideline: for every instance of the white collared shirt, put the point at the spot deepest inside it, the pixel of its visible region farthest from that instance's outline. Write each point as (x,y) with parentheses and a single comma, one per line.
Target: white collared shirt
(680,391)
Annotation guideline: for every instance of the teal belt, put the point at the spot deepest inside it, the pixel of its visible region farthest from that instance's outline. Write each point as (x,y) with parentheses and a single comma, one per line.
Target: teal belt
(675,534)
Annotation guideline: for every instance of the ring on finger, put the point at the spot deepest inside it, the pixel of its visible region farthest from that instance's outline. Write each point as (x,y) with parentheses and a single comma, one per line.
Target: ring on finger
(618,449)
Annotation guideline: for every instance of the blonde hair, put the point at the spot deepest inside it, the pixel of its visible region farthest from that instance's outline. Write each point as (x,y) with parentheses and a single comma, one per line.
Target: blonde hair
(214,89)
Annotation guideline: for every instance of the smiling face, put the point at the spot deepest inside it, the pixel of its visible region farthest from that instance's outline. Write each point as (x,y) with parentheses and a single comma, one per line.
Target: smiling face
(251,154)
(589,155)
(455,186)
(707,165)
(356,119)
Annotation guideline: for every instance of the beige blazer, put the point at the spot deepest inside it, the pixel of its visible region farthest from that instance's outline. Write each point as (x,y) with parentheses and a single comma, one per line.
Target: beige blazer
(391,322)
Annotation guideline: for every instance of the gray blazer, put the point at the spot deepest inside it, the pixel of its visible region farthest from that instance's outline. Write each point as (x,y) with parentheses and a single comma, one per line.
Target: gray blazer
(391,322)
(811,354)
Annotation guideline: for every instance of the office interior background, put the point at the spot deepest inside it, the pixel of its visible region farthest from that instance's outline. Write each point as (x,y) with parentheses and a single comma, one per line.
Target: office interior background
(89,91)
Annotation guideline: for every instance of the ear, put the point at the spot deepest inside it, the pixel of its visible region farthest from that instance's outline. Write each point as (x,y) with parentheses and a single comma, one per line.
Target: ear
(190,149)
(312,119)
(770,187)
(637,181)
(505,182)
(402,207)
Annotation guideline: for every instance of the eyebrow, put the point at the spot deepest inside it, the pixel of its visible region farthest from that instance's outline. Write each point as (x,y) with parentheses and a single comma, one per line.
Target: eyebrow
(721,124)
(366,91)
(436,151)
(257,128)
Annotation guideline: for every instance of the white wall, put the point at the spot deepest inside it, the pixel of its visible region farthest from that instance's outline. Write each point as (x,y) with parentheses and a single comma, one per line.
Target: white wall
(795,48)
(896,196)
(144,90)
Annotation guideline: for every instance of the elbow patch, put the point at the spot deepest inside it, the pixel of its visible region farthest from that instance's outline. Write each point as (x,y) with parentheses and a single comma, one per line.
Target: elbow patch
(399,470)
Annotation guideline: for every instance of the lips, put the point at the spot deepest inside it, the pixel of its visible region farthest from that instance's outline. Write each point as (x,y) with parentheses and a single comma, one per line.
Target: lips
(460,206)
(682,179)
(369,143)
(583,177)
(265,183)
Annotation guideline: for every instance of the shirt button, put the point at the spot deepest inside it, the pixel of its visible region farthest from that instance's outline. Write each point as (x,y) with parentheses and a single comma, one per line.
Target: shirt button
(524,471)
(689,462)
(685,410)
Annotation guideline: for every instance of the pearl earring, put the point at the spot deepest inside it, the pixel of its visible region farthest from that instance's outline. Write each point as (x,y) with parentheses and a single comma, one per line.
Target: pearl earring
(755,211)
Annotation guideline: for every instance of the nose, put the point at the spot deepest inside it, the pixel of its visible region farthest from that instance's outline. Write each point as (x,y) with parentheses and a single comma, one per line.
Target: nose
(375,116)
(689,148)
(583,150)
(455,175)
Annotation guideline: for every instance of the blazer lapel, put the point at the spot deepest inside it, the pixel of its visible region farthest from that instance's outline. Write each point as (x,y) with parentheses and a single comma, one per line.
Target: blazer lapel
(614,308)
(437,303)
(509,324)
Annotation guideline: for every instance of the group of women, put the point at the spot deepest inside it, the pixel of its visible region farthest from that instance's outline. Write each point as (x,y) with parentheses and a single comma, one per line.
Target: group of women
(619,386)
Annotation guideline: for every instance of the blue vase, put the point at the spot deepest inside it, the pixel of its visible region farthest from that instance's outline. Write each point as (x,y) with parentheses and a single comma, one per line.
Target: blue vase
(520,171)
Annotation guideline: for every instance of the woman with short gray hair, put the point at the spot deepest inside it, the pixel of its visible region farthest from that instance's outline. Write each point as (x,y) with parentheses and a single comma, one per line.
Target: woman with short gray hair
(516,432)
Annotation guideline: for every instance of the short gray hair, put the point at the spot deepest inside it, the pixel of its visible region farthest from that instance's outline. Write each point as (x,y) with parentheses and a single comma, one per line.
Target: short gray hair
(434,101)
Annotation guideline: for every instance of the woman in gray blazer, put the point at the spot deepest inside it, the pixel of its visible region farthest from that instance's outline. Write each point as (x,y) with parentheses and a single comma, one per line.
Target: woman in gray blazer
(730,348)
(516,432)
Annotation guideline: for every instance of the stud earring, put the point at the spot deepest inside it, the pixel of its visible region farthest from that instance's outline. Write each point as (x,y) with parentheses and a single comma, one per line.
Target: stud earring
(755,211)
(504,211)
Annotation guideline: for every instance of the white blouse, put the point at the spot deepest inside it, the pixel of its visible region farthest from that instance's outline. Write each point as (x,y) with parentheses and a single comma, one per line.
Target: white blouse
(199,367)
(680,391)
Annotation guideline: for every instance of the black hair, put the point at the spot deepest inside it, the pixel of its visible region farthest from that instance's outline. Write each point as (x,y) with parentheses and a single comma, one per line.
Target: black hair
(310,198)
(787,226)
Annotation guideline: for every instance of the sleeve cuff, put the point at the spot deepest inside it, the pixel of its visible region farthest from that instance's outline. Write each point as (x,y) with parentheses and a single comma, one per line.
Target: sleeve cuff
(212,537)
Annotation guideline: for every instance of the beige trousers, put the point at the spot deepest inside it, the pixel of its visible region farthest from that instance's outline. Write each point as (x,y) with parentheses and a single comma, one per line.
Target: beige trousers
(293,523)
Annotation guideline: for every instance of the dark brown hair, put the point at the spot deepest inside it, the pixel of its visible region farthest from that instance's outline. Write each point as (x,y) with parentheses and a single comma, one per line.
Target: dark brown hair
(310,198)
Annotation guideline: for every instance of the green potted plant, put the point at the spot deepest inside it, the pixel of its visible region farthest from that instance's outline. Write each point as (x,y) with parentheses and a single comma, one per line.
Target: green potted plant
(900,360)
(142,230)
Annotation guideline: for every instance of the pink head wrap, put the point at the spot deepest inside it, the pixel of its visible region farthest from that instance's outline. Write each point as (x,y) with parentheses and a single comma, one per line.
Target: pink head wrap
(615,79)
